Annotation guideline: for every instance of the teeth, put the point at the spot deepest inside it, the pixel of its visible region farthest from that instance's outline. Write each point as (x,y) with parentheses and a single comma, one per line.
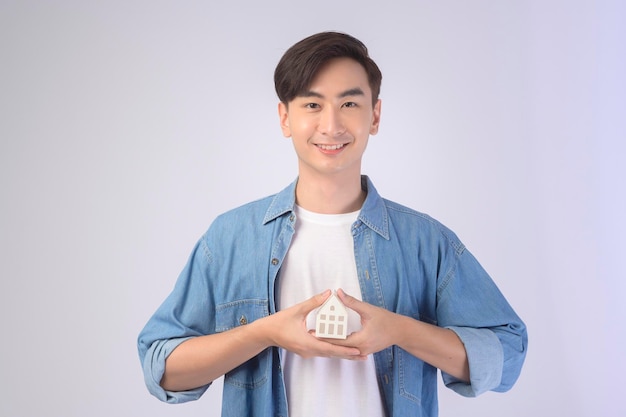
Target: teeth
(331,147)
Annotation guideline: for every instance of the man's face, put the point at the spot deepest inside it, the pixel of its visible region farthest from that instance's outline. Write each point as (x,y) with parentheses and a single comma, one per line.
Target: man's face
(331,122)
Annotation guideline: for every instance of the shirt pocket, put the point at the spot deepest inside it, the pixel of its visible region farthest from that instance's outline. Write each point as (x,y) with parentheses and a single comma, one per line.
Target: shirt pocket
(254,372)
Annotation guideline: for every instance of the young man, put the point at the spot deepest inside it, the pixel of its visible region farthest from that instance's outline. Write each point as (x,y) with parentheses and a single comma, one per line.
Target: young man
(418,300)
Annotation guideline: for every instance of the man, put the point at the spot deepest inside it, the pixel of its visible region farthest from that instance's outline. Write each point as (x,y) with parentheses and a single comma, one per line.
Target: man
(243,305)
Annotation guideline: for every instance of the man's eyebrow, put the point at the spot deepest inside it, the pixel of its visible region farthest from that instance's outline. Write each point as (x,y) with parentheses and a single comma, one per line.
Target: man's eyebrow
(357,91)
(310,93)
(352,92)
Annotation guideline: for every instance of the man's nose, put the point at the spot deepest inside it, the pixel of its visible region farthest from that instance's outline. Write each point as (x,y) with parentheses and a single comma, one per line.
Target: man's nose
(331,123)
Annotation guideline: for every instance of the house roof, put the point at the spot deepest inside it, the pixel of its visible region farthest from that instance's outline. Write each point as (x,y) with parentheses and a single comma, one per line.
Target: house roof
(333,300)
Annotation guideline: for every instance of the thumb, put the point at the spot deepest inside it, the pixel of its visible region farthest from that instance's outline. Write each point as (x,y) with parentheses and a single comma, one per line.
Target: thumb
(315,301)
(351,302)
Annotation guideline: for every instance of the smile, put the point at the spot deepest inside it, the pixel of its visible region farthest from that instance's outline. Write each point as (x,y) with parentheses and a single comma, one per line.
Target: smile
(331,147)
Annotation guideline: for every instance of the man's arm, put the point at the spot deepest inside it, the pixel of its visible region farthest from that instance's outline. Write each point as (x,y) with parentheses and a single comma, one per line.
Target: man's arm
(381,328)
(200,360)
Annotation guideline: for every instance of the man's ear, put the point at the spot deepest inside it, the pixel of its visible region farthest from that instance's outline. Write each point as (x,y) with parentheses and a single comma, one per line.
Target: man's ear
(283,114)
(375,118)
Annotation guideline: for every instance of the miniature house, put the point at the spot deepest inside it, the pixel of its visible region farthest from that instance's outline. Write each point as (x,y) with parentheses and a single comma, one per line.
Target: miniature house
(332,319)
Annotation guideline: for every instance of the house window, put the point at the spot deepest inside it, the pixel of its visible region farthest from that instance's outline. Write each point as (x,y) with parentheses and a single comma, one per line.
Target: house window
(332,319)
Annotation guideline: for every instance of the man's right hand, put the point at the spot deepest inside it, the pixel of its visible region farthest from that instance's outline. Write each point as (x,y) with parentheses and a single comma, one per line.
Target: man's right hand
(287,329)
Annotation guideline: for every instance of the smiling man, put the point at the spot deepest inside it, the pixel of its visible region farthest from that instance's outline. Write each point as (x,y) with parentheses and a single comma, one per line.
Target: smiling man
(417,299)
(330,124)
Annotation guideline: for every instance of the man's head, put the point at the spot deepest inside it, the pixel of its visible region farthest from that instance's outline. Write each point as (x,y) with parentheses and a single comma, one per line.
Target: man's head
(300,64)
(329,106)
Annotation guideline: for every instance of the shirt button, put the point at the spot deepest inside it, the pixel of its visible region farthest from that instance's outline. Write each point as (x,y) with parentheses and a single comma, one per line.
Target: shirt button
(291,218)
(274,261)
(243,320)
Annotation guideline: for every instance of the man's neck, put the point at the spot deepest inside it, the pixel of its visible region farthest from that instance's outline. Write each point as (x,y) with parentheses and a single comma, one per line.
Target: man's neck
(330,195)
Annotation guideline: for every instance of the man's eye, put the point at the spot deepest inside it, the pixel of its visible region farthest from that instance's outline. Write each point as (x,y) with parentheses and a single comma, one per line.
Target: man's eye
(312,106)
(349,104)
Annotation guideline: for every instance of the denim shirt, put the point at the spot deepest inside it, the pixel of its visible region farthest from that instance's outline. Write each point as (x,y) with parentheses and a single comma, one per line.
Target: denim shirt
(407,263)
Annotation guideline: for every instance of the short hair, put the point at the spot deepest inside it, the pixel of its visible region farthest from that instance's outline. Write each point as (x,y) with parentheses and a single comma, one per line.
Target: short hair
(300,63)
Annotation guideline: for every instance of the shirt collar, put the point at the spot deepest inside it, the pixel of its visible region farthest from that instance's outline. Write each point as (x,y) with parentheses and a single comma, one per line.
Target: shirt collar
(373,214)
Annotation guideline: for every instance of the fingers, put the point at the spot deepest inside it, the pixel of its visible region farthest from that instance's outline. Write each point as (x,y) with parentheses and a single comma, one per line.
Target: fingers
(342,348)
(351,302)
(321,297)
(312,346)
(314,302)
(306,344)
(346,299)
(326,349)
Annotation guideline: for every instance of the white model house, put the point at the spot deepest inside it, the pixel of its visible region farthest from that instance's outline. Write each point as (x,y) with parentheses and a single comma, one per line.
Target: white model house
(332,319)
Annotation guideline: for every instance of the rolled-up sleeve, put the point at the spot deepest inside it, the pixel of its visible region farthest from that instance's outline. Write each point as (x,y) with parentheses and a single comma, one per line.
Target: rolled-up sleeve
(154,368)
(495,338)
(182,315)
(485,358)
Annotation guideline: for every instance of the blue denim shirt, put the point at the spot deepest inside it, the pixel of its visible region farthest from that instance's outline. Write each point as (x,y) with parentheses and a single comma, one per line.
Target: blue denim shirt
(407,263)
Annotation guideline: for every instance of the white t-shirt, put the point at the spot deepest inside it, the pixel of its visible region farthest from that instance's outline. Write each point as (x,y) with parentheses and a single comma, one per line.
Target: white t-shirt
(321,256)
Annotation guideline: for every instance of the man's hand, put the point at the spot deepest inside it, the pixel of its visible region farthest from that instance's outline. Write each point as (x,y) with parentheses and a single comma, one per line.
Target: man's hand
(381,328)
(287,329)
(378,326)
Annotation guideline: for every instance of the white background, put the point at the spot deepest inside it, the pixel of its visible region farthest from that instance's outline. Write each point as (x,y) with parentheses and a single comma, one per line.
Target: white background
(127,126)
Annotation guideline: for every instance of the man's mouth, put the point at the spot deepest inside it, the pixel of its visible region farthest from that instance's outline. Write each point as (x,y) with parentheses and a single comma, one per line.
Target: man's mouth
(330,147)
